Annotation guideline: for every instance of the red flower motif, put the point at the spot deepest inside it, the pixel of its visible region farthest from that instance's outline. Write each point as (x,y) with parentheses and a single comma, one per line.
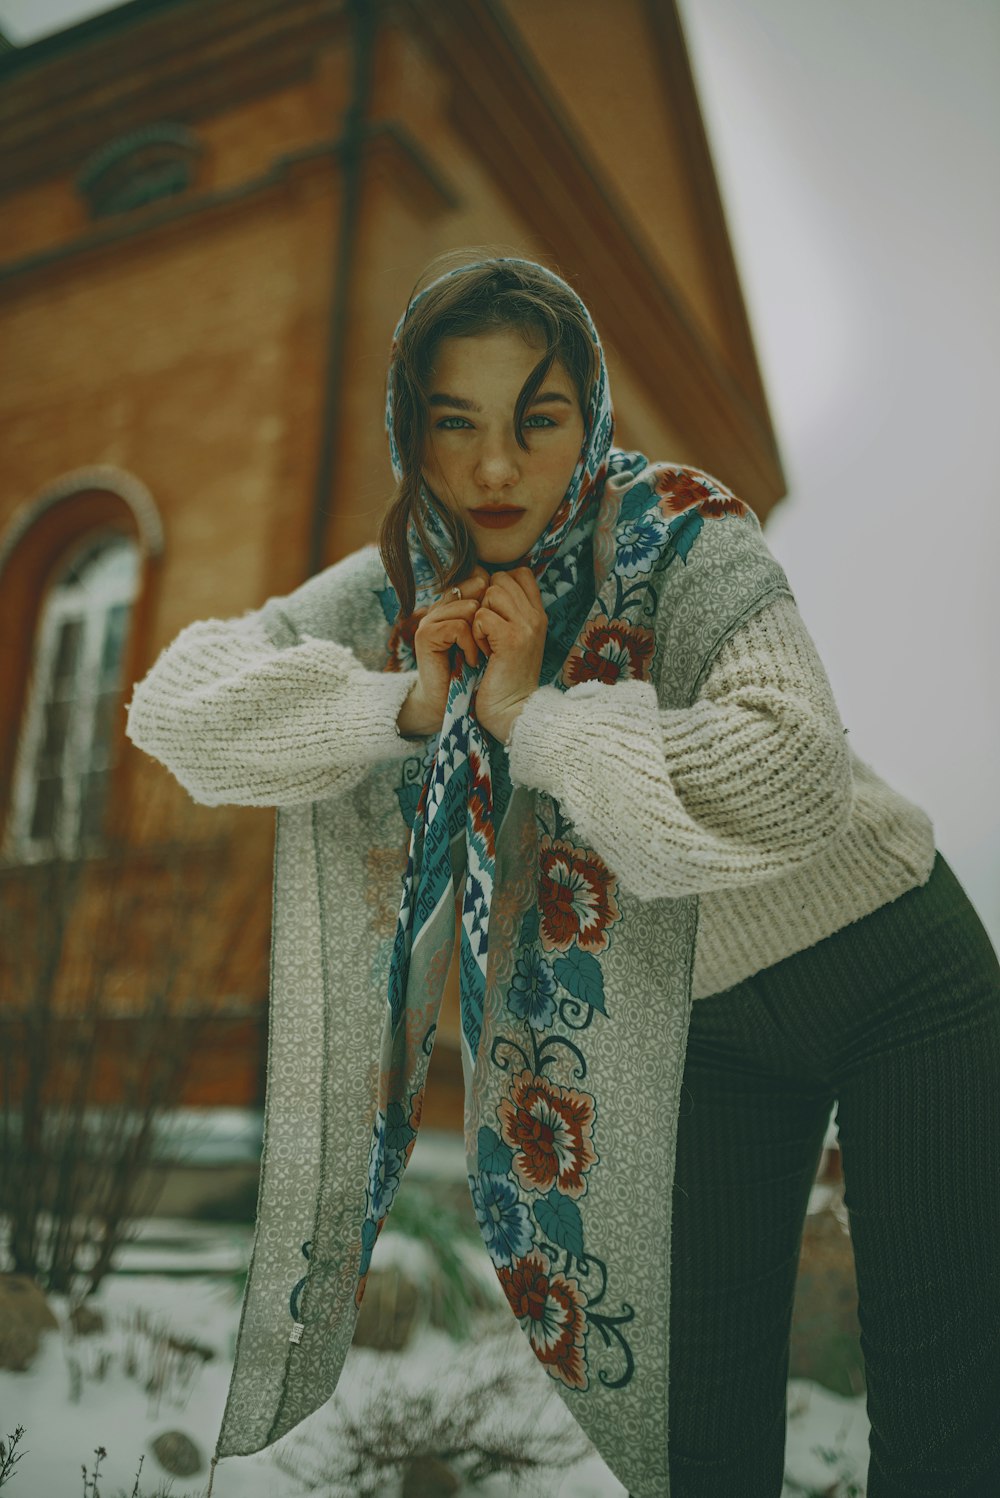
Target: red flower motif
(680,488)
(480,798)
(550,1309)
(611,650)
(550,1129)
(576,894)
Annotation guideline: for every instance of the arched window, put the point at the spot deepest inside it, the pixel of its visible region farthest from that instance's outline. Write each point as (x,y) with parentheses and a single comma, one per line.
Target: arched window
(67,739)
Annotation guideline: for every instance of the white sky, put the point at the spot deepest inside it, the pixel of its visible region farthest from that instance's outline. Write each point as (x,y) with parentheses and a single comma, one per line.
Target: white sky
(858,145)
(25,21)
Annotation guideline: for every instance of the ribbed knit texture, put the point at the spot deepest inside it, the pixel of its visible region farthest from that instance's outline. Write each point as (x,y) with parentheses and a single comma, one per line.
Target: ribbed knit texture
(751,797)
(240,722)
(750,781)
(898,1019)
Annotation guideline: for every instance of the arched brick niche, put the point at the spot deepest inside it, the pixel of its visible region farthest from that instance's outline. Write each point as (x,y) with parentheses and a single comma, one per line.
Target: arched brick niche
(157,161)
(42,541)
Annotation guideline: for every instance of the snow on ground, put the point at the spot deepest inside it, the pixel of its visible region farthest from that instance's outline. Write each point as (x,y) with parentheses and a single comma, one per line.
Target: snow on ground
(184,1276)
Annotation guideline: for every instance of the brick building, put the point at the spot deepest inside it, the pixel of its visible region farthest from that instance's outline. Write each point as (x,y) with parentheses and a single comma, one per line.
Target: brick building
(212,215)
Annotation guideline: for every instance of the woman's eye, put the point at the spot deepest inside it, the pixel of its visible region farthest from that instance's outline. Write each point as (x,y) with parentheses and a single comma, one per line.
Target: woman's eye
(546,421)
(451,424)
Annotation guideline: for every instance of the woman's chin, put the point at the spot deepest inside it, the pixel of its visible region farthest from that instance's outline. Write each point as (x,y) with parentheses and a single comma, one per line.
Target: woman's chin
(501,563)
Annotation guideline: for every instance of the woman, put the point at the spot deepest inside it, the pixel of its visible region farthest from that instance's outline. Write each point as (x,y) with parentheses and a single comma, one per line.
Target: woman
(569,703)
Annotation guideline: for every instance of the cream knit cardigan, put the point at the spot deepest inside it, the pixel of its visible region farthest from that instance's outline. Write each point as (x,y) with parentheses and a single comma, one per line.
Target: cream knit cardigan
(750,798)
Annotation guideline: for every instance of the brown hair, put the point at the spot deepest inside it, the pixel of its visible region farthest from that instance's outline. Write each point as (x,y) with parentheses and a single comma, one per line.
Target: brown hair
(491,295)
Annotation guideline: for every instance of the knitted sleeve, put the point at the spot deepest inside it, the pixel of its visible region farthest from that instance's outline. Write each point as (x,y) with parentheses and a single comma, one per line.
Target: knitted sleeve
(238,720)
(751,780)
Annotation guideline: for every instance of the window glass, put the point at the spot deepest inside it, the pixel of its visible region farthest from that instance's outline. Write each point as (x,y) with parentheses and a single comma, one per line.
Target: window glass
(67,742)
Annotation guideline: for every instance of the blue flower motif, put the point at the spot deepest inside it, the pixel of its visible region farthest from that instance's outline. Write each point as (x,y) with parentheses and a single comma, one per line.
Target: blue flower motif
(398,1130)
(369,1233)
(385,1171)
(639,543)
(503,1219)
(389,600)
(531,995)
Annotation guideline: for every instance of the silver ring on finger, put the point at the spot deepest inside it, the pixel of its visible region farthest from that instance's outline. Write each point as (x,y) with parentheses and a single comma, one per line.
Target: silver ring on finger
(456,592)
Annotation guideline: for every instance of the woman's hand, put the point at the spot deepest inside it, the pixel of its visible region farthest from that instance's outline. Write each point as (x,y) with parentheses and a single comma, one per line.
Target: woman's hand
(510,624)
(446,623)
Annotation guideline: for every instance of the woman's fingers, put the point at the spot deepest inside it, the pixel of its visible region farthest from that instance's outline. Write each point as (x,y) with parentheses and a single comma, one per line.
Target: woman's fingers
(511,618)
(478,578)
(468,645)
(487,627)
(440,633)
(502,601)
(457,632)
(526,578)
(471,586)
(480,631)
(515,589)
(451,608)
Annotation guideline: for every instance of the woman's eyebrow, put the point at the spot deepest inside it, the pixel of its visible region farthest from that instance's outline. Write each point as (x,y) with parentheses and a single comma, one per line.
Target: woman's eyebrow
(440,399)
(459,403)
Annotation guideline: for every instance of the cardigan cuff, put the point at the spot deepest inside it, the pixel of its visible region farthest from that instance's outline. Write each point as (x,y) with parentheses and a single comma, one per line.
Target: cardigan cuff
(380,699)
(556,732)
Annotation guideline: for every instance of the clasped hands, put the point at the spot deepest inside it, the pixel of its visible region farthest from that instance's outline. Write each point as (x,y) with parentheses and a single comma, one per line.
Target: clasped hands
(500,616)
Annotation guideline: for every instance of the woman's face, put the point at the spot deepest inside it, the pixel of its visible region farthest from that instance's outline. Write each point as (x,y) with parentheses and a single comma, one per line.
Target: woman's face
(472,460)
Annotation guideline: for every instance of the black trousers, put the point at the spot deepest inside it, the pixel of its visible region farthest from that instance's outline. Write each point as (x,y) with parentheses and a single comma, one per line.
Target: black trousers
(896,1018)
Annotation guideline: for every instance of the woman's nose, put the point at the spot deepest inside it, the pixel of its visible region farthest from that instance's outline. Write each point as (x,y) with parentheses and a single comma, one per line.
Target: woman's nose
(496,466)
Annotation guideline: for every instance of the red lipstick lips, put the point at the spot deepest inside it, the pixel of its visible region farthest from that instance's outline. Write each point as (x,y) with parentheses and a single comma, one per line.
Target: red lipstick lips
(494,516)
